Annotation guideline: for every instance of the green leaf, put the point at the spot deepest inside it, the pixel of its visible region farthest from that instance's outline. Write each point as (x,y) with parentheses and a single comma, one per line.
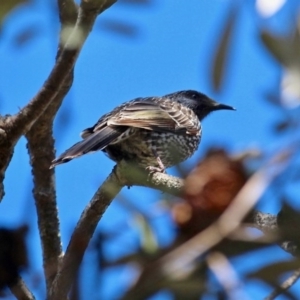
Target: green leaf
(271,273)
(219,62)
(279,47)
(148,240)
(286,49)
(7,6)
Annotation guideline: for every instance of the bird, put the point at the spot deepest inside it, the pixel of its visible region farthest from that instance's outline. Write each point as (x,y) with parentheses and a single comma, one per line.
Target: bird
(153,132)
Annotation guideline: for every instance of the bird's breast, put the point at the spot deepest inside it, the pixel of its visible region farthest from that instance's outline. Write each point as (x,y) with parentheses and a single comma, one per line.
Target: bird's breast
(142,146)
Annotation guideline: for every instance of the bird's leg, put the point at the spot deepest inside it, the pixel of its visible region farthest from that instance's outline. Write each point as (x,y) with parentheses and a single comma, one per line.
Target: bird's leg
(161,168)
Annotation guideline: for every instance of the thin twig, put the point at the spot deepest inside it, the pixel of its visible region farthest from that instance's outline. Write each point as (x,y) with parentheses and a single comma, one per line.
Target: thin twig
(64,65)
(13,127)
(21,291)
(284,286)
(132,175)
(226,275)
(82,235)
(68,12)
(267,223)
(94,212)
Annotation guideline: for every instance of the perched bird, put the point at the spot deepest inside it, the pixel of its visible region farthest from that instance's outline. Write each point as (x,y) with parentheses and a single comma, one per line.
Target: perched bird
(153,132)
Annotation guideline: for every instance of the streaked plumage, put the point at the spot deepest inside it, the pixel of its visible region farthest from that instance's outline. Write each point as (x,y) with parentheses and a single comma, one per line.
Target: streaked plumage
(154,132)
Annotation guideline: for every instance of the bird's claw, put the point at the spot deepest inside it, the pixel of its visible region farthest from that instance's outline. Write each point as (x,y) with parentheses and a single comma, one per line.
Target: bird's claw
(152,169)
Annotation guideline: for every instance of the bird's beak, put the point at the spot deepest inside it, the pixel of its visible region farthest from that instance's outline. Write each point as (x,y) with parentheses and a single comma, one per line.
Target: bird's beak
(219,106)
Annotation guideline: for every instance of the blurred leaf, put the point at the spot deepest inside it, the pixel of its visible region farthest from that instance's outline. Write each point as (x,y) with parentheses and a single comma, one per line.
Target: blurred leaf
(283,125)
(285,49)
(189,283)
(120,28)
(290,84)
(235,247)
(280,47)
(219,62)
(148,240)
(7,6)
(26,35)
(191,287)
(273,99)
(271,273)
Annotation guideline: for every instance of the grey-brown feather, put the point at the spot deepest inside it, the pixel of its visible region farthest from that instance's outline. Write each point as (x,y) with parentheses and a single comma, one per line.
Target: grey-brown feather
(145,129)
(93,142)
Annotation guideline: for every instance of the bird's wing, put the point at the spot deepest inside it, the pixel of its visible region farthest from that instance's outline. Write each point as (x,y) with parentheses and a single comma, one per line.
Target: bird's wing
(165,116)
(93,142)
(146,113)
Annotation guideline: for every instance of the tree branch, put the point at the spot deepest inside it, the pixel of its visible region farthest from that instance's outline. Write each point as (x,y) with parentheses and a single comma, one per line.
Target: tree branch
(130,175)
(267,223)
(123,174)
(21,291)
(284,286)
(82,235)
(41,150)
(13,127)
(68,12)
(63,67)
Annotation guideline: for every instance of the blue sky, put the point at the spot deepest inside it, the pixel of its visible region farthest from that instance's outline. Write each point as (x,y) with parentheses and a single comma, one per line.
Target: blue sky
(172,50)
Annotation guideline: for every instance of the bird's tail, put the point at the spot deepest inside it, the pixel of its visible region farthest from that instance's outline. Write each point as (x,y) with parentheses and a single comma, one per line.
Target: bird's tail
(94,142)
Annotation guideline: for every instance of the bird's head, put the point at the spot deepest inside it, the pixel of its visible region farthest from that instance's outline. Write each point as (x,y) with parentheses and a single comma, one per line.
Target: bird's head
(199,103)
